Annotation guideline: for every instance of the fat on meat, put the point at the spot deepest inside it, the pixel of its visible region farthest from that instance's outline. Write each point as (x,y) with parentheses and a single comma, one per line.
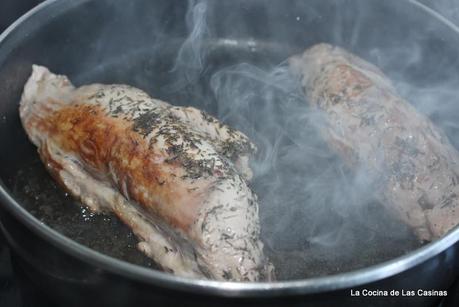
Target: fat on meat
(175,175)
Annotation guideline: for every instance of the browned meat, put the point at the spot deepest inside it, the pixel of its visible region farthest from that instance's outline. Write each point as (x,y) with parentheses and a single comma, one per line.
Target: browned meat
(176,176)
(370,126)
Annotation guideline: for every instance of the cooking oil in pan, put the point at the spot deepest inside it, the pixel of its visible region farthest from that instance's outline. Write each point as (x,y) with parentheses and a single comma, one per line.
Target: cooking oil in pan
(48,202)
(309,224)
(293,259)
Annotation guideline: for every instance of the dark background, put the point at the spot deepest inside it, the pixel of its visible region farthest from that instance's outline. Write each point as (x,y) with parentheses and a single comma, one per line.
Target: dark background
(10,295)
(10,10)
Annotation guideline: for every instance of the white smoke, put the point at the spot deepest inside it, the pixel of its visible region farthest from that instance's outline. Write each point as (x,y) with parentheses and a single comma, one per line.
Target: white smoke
(312,208)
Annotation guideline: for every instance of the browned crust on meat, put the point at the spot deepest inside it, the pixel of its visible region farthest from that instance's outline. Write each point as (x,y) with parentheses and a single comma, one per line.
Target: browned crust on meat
(348,83)
(369,125)
(105,143)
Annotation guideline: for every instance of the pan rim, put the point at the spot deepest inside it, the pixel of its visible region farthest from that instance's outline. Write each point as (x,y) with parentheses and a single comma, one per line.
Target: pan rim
(226,289)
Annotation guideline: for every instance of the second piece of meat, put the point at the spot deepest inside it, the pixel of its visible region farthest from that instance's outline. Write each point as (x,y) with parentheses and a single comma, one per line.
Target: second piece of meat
(370,126)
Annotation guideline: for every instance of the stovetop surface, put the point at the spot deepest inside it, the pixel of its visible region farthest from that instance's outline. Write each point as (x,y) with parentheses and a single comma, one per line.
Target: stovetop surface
(15,289)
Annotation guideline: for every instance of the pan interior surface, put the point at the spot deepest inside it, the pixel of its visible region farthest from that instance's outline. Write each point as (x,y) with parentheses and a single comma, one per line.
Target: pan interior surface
(293,259)
(164,48)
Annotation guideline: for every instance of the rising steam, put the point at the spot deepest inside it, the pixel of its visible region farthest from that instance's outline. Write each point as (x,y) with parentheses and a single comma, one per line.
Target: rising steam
(193,52)
(317,217)
(314,211)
